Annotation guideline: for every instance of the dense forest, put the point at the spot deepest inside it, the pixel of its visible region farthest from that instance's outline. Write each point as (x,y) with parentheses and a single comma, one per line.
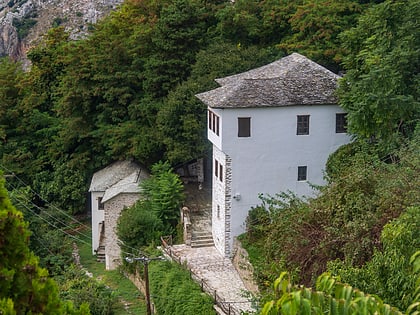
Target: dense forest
(127,92)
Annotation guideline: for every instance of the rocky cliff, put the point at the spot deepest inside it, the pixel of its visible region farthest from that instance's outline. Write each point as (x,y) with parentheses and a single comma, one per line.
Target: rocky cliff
(23,22)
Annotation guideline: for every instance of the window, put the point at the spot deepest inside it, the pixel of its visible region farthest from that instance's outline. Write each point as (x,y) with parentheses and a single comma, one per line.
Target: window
(244,126)
(302,125)
(302,173)
(218,211)
(214,122)
(218,170)
(341,123)
(100,204)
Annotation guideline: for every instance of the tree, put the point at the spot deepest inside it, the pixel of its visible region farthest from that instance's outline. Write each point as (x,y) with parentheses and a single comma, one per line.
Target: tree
(181,119)
(155,215)
(381,90)
(164,191)
(24,287)
(315,26)
(389,273)
(138,226)
(178,35)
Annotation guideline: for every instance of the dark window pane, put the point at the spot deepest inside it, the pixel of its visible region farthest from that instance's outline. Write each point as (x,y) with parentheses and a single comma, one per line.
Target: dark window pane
(244,127)
(210,119)
(302,125)
(341,123)
(302,173)
(100,204)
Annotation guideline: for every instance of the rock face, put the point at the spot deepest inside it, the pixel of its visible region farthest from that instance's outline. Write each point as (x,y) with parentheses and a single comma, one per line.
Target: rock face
(23,22)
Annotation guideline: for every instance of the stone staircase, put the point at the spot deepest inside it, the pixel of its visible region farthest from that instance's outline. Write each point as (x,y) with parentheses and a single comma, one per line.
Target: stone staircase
(100,254)
(202,239)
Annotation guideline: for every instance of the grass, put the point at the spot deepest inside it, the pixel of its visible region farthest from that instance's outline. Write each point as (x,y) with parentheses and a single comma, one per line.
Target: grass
(127,292)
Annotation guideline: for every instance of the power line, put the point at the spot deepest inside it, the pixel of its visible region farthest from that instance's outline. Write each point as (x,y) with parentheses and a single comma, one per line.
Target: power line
(39,196)
(51,224)
(65,225)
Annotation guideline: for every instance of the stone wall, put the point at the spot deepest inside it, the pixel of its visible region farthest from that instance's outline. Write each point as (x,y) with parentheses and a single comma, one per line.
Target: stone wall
(113,208)
(219,203)
(243,266)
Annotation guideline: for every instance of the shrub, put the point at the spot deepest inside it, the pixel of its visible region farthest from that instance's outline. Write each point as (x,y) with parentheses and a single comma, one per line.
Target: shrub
(388,273)
(139,226)
(185,297)
(81,289)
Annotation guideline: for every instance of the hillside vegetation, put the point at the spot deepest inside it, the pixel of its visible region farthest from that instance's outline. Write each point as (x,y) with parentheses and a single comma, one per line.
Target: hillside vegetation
(127,92)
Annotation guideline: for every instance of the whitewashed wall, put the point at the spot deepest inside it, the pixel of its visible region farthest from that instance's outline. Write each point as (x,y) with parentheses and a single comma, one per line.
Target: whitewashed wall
(267,161)
(97,217)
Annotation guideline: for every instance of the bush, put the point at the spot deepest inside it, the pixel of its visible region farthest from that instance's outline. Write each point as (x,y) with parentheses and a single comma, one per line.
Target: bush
(183,298)
(139,226)
(164,191)
(81,289)
(389,273)
(343,222)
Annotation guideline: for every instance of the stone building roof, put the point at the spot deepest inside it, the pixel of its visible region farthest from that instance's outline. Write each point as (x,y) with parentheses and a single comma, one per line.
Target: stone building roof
(292,80)
(128,185)
(118,174)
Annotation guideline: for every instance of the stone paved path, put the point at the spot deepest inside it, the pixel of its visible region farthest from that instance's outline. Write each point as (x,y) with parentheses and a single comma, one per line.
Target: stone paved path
(218,273)
(207,263)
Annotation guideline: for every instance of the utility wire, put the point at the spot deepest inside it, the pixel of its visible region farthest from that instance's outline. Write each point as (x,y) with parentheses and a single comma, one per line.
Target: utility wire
(51,224)
(65,225)
(38,195)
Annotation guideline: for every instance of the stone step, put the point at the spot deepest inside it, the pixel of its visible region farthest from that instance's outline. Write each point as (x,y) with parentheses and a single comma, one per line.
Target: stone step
(100,254)
(201,235)
(202,243)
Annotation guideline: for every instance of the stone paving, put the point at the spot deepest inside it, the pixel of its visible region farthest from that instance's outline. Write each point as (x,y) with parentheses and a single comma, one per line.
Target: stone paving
(218,273)
(208,264)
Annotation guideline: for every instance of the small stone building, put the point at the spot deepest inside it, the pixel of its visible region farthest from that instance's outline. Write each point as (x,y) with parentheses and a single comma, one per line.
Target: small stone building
(112,189)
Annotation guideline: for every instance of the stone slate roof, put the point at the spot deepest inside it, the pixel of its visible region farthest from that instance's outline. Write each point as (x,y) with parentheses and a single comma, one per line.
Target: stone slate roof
(292,80)
(115,174)
(128,185)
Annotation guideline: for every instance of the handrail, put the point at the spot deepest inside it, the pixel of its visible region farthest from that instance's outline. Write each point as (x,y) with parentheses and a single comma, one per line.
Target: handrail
(228,307)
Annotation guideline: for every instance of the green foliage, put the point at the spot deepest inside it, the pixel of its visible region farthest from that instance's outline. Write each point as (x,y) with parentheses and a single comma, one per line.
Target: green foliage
(330,297)
(139,226)
(315,26)
(10,76)
(23,26)
(343,222)
(380,90)
(25,287)
(66,185)
(176,39)
(82,290)
(164,191)
(388,274)
(157,214)
(183,298)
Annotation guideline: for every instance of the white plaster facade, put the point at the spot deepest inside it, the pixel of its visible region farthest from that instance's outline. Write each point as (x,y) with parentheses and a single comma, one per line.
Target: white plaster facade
(267,161)
(98,217)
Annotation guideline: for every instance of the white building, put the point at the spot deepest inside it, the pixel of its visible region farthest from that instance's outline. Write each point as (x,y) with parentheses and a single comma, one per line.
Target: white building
(272,130)
(112,189)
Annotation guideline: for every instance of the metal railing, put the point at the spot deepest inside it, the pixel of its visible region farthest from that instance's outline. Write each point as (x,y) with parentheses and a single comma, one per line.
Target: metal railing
(229,307)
